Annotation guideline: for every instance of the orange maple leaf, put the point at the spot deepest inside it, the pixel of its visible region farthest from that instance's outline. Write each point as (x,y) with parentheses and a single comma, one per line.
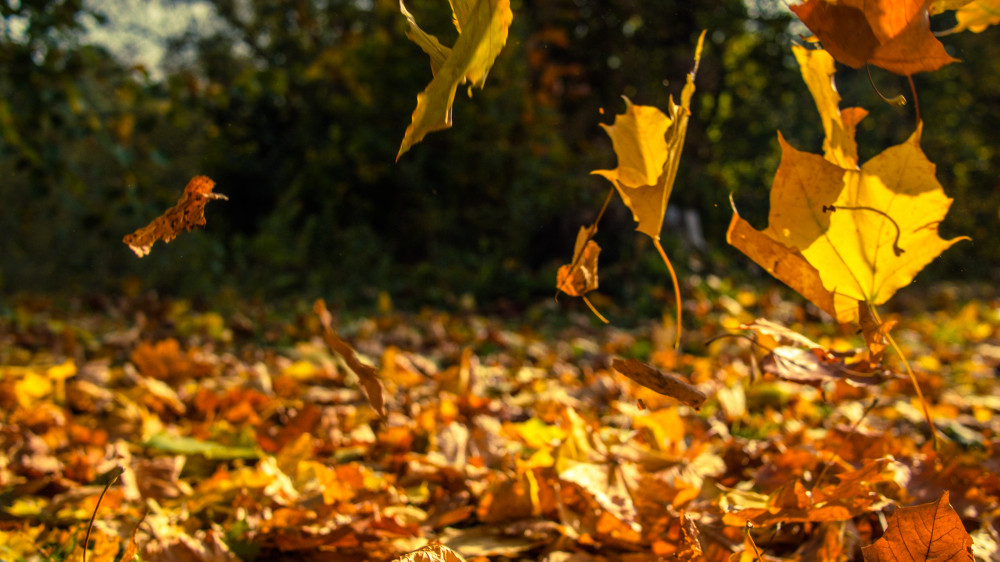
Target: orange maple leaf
(930,531)
(187,214)
(891,34)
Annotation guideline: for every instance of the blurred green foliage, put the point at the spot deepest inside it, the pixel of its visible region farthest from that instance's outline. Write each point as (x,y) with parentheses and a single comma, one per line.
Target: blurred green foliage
(297,108)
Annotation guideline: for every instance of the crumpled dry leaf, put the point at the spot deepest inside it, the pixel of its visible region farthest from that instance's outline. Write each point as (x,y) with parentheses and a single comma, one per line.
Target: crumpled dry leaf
(580,277)
(187,214)
(435,552)
(858,491)
(664,383)
(368,375)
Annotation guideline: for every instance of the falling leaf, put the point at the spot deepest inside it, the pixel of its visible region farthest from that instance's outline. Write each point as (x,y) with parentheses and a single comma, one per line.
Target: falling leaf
(891,34)
(799,359)
(482,26)
(861,233)
(664,383)
(648,144)
(367,374)
(431,553)
(187,214)
(930,531)
(580,277)
(839,144)
(876,334)
(975,16)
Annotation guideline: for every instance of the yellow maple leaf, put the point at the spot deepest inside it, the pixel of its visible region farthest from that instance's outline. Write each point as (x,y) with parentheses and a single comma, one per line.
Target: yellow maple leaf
(648,144)
(482,26)
(839,146)
(976,16)
(862,233)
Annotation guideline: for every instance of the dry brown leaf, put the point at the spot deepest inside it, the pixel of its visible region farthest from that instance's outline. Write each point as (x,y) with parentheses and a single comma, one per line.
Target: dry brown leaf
(930,531)
(876,334)
(370,383)
(431,553)
(187,214)
(664,383)
(580,277)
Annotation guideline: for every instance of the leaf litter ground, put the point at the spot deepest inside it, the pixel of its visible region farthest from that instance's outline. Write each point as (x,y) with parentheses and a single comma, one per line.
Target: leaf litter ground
(238,434)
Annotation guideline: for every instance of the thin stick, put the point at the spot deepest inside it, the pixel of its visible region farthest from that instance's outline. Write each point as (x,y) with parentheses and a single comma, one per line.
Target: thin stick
(895,243)
(86,540)
(836,453)
(677,289)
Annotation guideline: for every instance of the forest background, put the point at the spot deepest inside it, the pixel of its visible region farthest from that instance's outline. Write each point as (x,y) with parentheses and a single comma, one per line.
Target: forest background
(297,108)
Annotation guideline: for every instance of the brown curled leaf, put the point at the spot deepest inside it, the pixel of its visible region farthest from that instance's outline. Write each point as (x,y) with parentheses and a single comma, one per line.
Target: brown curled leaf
(370,383)
(658,381)
(187,214)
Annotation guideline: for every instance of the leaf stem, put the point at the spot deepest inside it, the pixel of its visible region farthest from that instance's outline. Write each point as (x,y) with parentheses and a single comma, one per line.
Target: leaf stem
(594,310)
(752,543)
(898,100)
(916,100)
(677,288)
(895,243)
(913,379)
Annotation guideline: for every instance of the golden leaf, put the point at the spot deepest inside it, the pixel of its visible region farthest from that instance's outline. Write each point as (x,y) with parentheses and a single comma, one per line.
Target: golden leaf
(648,144)
(862,233)
(482,26)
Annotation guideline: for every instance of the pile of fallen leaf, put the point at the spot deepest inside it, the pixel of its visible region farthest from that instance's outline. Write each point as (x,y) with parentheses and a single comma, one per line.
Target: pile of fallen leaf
(239,434)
